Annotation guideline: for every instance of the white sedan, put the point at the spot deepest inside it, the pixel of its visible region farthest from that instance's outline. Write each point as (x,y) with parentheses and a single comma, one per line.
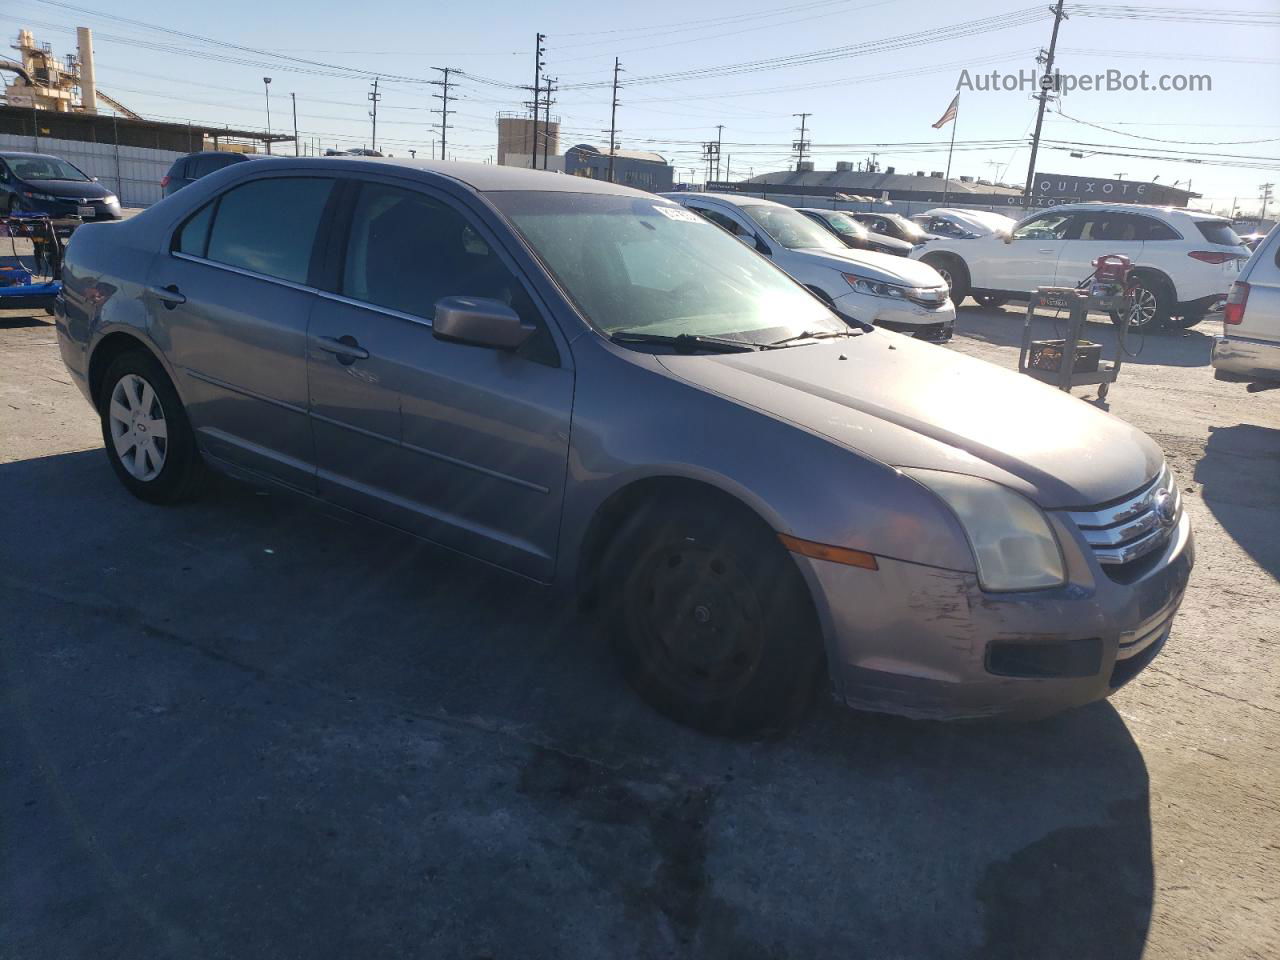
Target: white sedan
(896,293)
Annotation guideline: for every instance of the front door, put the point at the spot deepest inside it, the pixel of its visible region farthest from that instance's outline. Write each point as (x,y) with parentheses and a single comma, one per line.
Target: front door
(229,306)
(1029,259)
(464,445)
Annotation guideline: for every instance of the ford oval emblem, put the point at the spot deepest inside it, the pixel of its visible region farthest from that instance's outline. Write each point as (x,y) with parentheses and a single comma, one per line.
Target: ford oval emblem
(1166,507)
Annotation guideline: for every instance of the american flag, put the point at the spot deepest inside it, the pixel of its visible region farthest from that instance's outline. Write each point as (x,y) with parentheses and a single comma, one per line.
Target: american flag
(950,114)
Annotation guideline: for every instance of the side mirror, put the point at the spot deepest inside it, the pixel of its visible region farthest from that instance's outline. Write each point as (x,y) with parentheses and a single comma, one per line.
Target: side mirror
(94,179)
(1008,238)
(479,323)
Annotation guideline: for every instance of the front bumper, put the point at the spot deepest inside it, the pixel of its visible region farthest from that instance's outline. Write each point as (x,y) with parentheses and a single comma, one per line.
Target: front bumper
(925,642)
(1246,359)
(901,316)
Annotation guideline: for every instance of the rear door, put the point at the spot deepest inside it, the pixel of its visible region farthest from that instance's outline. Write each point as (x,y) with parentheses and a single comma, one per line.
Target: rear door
(1097,234)
(229,306)
(464,445)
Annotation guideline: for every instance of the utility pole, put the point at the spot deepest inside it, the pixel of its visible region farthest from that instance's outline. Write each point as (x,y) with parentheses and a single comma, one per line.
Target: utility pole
(546,129)
(719,138)
(613,117)
(710,153)
(801,145)
(728,168)
(1046,84)
(374,97)
(294,98)
(1265,198)
(266,86)
(444,111)
(538,52)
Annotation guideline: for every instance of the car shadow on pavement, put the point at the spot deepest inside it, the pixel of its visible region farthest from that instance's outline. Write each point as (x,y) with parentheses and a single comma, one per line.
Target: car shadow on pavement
(1239,476)
(9,322)
(254,693)
(1173,348)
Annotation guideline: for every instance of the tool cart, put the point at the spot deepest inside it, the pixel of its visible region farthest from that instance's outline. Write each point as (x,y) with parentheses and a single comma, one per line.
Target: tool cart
(1073,361)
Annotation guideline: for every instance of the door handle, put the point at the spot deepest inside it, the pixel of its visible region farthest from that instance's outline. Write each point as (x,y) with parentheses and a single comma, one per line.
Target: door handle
(1046,249)
(345,348)
(170,296)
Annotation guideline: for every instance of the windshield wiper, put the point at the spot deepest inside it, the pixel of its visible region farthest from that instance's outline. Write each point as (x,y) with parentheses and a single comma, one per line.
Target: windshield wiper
(807,335)
(686,342)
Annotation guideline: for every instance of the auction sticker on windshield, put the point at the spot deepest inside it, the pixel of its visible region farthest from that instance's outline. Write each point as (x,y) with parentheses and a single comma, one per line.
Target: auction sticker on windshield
(679,213)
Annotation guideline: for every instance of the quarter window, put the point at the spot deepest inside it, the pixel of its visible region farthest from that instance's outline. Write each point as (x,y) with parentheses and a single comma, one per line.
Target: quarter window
(269,226)
(193,236)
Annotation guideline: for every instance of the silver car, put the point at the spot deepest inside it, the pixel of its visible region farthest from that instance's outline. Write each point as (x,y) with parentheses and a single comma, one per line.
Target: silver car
(594,387)
(1249,348)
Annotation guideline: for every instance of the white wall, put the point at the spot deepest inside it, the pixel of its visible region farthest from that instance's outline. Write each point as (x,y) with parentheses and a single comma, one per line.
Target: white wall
(132,173)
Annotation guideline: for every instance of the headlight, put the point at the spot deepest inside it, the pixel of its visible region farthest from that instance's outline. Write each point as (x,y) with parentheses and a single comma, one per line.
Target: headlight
(110,199)
(878,288)
(1013,545)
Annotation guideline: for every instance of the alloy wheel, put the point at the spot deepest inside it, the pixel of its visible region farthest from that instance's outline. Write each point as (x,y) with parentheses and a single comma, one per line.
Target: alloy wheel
(1144,308)
(138,428)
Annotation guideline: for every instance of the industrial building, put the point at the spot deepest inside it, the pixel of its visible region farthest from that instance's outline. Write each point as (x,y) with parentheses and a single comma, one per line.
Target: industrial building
(51,106)
(849,188)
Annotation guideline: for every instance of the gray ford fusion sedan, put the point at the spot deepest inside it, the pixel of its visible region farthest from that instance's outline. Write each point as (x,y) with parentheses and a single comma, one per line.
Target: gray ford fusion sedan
(592,387)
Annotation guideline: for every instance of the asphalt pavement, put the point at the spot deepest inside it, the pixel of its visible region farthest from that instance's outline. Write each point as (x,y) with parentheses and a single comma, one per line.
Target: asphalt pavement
(253,727)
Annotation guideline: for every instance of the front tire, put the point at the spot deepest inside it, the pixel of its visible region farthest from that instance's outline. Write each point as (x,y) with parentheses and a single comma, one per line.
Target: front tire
(145,429)
(709,617)
(954,274)
(1151,304)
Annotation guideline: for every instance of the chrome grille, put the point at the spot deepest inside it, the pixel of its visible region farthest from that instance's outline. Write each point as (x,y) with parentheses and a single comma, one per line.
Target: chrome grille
(1137,525)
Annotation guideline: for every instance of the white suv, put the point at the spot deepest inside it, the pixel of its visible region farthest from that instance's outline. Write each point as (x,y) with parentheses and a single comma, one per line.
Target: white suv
(896,293)
(1185,260)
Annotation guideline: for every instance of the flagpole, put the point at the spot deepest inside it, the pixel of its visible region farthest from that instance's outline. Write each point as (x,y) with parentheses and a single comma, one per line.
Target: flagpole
(955,122)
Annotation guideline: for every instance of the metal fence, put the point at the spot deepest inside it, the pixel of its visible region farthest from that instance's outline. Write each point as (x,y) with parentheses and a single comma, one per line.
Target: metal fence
(133,173)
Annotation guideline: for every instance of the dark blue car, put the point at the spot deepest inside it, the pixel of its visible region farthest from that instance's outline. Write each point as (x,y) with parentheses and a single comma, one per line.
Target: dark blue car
(39,183)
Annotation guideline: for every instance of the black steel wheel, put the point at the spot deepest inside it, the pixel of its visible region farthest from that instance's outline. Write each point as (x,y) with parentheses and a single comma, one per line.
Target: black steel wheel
(710,618)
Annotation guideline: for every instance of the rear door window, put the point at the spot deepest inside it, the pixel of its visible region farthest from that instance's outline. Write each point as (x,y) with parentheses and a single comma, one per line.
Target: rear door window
(270,226)
(1218,231)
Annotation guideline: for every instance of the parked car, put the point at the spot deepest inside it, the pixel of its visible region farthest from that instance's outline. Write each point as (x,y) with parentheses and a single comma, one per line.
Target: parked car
(1249,348)
(593,387)
(1184,260)
(41,183)
(1251,240)
(961,224)
(893,225)
(187,170)
(871,287)
(853,234)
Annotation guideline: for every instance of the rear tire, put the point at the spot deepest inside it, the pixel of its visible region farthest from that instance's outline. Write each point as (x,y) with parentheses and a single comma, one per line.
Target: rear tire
(709,617)
(1151,304)
(954,273)
(145,429)
(989,300)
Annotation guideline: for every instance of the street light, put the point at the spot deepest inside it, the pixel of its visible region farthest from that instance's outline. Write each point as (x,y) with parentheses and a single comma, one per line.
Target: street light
(266,85)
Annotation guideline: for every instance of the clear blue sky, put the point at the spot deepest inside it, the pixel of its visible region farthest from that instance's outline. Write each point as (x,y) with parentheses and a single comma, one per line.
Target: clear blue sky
(889,96)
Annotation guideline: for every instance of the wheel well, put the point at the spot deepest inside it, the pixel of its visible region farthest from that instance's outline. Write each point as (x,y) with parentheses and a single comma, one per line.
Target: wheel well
(1161,278)
(953,259)
(625,503)
(110,347)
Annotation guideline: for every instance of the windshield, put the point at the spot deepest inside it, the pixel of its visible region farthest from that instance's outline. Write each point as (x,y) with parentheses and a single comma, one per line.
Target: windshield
(845,226)
(43,168)
(793,230)
(909,228)
(640,264)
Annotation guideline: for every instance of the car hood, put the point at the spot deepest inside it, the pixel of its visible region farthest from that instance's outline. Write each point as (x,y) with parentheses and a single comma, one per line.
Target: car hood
(890,243)
(910,404)
(884,267)
(87,189)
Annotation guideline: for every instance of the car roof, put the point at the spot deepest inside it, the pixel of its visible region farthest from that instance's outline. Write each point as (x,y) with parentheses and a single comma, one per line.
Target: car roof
(480,177)
(1147,208)
(28,153)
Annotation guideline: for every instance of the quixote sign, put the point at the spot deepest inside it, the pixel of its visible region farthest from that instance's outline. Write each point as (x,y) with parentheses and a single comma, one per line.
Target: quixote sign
(1051,188)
